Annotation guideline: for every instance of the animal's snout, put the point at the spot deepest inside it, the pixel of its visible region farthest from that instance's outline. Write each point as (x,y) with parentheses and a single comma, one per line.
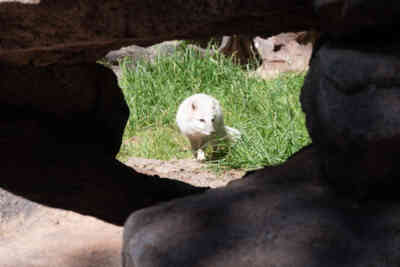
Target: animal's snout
(209,131)
(212,130)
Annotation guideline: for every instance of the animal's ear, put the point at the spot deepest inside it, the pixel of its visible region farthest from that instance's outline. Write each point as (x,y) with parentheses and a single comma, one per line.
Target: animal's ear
(193,106)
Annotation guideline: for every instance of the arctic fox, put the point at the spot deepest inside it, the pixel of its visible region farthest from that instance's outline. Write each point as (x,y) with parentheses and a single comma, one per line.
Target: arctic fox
(200,119)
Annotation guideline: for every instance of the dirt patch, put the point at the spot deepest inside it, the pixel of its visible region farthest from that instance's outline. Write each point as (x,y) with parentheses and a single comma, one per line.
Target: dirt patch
(38,236)
(185,170)
(52,237)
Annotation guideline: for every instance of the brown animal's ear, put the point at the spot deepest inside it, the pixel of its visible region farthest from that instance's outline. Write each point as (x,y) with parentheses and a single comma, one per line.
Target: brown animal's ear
(193,106)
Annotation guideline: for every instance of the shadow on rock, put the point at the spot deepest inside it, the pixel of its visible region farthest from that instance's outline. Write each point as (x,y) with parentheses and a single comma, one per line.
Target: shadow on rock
(279,216)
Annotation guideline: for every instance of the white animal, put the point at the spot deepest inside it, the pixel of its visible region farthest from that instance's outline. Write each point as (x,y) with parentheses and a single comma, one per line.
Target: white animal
(200,119)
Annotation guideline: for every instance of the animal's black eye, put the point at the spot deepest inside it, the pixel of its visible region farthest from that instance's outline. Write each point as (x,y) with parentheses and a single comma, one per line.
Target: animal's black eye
(213,119)
(202,120)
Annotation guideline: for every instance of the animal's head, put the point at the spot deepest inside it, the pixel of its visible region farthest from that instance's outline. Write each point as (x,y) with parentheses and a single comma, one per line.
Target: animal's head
(207,115)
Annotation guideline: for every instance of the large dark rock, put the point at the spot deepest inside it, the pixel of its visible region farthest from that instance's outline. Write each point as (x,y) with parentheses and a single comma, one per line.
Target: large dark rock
(279,216)
(354,17)
(45,32)
(65,104)
(351,97)
(60,129)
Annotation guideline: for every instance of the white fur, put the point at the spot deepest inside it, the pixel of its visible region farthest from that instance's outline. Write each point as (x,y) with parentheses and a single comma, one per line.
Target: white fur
(200,119)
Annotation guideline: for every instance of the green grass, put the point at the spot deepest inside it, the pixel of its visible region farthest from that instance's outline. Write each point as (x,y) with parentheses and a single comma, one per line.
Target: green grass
(267,113)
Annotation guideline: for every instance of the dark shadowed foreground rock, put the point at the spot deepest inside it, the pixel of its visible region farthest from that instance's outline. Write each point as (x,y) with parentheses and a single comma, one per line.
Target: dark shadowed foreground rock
(278,216)
(352,17)
(351,97)
(66,104)
(60,129)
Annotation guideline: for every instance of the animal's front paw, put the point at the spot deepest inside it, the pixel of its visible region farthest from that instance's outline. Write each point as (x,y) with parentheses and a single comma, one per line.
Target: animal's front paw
(200,155)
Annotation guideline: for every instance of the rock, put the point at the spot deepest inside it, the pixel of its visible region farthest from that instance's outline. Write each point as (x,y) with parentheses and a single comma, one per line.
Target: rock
(351,97)
(70,104)
(135,53)
(164,49)
(84,31)
(354,17)
(33,235)
(61,127)
(130,56)
(285,52)
(14,209)
(278,216)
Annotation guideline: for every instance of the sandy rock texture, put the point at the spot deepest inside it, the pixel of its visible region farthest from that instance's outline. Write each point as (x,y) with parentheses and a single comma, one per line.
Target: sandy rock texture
(33,235)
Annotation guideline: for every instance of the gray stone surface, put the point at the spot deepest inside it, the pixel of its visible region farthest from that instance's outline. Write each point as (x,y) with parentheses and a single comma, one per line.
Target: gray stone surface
(14,208)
